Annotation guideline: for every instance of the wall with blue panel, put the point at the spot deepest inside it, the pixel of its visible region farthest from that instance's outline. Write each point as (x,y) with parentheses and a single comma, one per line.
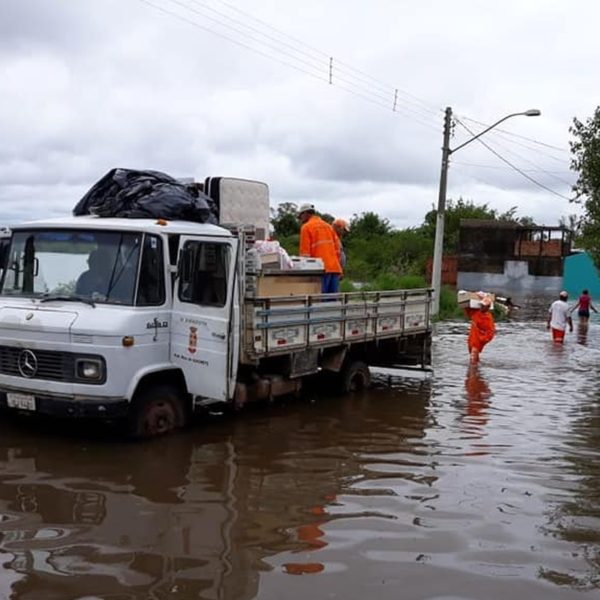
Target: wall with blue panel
(581,273)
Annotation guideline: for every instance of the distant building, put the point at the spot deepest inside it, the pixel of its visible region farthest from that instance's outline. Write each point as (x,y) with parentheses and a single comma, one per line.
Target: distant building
(507,256)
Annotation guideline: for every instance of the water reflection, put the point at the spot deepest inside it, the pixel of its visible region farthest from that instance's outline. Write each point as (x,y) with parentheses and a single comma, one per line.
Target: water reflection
(476,415)
(478,394)
(574,516)
(312,535)
(192,516)
(473,483)
(582,333)
(90,519)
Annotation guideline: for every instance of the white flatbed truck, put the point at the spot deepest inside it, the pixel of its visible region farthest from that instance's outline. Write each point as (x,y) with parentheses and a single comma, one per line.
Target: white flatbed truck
(151,320)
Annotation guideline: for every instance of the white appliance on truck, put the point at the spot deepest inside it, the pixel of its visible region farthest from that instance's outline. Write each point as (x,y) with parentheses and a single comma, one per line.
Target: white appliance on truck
(149,320)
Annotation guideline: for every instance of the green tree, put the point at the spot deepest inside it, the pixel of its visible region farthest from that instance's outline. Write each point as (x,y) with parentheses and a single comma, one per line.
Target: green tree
(367,247)
(368,224)
(573,223)
(284,220)
(585,149)
(465,209)
(455,211)
(526,221)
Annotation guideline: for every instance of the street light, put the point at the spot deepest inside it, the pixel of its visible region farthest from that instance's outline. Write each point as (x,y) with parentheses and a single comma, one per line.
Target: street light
(438,247)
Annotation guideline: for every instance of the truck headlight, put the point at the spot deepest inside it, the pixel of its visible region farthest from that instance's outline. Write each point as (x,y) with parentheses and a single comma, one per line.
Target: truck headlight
(89,368)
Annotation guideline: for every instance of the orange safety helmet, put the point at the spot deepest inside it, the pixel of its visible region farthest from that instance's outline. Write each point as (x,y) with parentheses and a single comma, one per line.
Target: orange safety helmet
(341,224)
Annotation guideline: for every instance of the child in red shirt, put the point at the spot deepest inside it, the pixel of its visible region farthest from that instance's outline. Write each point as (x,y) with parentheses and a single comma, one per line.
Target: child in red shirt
(584,304)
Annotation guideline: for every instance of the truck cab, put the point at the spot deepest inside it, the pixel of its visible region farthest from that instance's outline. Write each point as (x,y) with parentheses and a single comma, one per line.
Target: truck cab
(96,313)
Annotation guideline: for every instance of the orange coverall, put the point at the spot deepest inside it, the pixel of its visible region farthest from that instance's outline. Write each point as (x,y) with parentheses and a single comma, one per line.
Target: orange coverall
(483,328)
(319,240)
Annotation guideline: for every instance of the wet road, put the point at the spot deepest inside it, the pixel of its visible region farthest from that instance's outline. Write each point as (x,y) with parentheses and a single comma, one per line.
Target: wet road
(469,484)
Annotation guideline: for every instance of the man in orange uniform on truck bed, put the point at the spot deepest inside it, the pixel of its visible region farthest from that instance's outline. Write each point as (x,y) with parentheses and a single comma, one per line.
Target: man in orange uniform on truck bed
(319,240)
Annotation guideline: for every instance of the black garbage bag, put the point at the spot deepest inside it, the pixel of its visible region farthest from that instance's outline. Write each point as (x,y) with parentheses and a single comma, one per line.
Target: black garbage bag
(128,193)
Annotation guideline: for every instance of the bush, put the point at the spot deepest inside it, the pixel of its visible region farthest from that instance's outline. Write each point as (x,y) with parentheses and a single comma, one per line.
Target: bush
(389,281)
(347,286)
(449,308)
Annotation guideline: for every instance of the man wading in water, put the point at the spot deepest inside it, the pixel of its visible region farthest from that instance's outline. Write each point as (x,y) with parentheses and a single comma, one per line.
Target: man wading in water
(483,328)
(559,316)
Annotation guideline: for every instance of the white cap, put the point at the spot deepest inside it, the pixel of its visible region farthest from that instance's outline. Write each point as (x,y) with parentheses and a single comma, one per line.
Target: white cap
(305,208)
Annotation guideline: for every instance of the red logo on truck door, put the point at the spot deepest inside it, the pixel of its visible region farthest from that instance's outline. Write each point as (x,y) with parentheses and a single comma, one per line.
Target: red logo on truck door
(193,340)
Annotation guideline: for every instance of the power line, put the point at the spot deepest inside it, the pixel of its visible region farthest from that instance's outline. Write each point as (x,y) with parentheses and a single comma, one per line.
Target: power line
(386,107)
(505,131)
(232,40)
(306,62)
(534,164)
(293,52)
(366,77)
(241,31)
(531,162)
(538,150)
(289,50)
(520,171)
(480,166)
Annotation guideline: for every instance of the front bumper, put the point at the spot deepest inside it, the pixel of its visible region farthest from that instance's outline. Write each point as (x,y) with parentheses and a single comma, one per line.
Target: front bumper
(72,407)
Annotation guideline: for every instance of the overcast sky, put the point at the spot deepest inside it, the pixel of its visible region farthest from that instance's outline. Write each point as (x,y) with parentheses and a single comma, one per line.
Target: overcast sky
(198,88)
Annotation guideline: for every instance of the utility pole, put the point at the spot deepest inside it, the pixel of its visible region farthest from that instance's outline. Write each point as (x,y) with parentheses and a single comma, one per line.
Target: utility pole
(438,247)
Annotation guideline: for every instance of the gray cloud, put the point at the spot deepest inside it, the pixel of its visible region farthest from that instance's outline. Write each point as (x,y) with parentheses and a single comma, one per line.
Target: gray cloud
(57,25)
(87,86)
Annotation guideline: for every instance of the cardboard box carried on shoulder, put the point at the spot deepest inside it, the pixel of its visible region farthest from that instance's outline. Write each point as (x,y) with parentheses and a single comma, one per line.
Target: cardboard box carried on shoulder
(468,299)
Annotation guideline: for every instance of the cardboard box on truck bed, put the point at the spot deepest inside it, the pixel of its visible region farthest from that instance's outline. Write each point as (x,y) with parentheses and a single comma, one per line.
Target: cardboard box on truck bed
(288,283)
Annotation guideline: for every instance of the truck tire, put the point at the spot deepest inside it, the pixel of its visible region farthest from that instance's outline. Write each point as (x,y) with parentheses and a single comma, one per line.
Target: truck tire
(354,376)
(157,411)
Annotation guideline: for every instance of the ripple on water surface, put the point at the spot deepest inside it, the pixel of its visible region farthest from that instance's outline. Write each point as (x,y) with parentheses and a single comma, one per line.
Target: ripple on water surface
(465,483)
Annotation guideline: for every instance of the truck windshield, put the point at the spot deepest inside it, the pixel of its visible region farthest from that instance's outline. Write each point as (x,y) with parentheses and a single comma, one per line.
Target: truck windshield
(97,265)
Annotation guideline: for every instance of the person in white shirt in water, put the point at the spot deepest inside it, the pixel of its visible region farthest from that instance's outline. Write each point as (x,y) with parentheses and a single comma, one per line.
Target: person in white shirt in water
(559,316)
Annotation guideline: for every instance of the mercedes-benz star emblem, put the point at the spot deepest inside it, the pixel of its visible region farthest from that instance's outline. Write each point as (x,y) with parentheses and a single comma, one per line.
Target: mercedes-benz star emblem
(28,364)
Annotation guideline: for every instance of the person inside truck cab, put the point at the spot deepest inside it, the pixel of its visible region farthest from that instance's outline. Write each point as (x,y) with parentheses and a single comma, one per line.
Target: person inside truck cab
(319,240)
(95,279)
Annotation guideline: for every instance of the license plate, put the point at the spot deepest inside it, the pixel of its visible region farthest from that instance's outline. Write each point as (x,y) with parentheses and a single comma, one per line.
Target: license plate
(20,401)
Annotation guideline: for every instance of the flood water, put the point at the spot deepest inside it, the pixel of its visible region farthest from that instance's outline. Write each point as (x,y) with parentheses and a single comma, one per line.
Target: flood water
(472,484)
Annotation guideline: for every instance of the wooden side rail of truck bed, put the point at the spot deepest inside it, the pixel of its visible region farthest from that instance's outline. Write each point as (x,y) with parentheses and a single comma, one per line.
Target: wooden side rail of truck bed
(283,324)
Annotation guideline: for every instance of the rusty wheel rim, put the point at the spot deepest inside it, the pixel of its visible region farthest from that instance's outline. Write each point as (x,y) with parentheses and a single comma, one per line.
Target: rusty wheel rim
(160,418)
(358,382)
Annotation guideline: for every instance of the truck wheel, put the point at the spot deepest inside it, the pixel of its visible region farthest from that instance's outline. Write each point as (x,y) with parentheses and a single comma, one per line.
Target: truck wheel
(157,411)
(355,376)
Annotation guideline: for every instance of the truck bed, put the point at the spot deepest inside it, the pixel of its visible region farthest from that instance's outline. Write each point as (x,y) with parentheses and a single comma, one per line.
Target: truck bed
(283,324)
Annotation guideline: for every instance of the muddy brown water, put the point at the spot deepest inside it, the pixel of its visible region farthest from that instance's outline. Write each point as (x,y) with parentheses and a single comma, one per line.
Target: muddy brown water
(465,484)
